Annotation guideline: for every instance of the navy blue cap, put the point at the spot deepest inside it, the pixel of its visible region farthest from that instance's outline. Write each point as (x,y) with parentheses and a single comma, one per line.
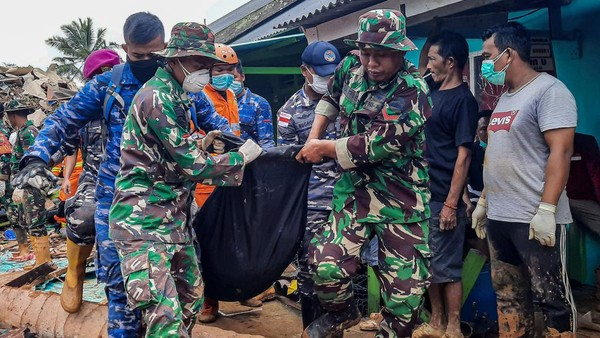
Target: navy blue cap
(322,56)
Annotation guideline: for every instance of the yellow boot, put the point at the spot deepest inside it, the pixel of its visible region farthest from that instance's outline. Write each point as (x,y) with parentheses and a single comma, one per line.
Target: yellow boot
(41,248)
(71,295)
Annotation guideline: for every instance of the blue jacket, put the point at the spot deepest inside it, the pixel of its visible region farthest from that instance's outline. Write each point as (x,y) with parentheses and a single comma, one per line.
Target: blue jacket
(86,106)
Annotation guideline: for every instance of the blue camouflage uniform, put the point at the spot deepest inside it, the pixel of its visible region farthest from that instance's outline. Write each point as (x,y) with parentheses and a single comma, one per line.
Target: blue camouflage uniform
(86,106)
(294,121)
(255,119)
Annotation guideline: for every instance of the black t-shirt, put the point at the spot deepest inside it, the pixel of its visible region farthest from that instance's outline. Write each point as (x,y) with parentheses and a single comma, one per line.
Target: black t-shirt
(453,123)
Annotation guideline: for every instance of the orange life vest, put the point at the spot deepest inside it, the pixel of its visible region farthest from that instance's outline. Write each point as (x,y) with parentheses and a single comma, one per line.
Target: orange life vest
(228,109)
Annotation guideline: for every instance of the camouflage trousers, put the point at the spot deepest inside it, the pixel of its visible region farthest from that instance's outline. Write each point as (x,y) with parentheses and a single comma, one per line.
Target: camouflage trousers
(163,280)
(403,271)
(31,214)
(315,221)
(80,211)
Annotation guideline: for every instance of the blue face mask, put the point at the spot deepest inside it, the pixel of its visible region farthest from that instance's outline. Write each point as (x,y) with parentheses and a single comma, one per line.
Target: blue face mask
(221,82)
(237,87)
(492,76)
(482,144)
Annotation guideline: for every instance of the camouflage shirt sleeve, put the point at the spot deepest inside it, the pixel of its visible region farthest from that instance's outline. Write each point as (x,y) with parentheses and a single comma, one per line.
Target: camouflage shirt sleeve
(206,115)
(192,162)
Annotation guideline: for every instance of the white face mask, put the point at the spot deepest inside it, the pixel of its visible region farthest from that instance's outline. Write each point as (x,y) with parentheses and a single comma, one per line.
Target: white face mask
(195,81)
(319,84)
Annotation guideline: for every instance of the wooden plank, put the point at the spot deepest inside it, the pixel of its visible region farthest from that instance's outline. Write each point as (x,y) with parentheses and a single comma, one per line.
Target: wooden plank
(33,274)
(472,266)
(373,291)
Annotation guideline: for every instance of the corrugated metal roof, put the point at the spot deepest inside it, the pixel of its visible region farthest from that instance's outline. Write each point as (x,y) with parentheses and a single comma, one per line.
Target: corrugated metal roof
(237,14)
(314,12)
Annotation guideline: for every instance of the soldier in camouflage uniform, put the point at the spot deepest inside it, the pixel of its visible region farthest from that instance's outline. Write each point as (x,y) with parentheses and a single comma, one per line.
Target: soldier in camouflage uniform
(81,207)
(383,102)
(294,121)
(27,209)
(254,110)
(6,189)
(160,163)
(143,34)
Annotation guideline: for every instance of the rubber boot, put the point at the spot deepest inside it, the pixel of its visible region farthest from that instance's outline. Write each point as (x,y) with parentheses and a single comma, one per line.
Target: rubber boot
(41,248)
(72,292)
(333,324)
(311,309)
(210,310)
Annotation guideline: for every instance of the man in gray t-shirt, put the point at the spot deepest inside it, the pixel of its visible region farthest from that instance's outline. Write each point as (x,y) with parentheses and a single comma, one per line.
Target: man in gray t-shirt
(530,142)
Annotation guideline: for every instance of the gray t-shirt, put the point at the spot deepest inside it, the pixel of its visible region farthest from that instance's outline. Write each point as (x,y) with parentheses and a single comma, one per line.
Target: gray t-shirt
(516,155)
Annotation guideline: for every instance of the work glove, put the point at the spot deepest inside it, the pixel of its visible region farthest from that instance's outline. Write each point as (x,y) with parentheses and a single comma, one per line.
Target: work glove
(543,225)
(2,188)
(18,196)
(210,139)
(35,174)
(479,218)
(250,151)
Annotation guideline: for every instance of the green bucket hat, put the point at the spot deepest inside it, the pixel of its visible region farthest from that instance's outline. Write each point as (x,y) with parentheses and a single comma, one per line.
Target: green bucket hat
(20,104)
(382,28)
(190,39)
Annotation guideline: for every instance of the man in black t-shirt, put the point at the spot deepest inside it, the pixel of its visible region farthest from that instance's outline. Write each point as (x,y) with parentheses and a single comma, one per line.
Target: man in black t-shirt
(449,136)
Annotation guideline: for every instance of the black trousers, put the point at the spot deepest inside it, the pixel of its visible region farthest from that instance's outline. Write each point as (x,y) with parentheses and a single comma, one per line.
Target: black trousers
(525,272)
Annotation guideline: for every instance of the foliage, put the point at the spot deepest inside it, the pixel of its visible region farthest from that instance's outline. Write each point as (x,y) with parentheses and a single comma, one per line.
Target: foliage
(79,40)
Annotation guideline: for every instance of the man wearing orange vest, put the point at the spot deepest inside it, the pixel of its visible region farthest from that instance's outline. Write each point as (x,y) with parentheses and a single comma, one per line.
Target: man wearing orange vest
(225,103)
(221,78)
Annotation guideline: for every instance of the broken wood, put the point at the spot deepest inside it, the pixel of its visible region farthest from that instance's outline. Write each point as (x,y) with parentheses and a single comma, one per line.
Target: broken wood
(8,246)
(55,274)
(288,302)
(32,275)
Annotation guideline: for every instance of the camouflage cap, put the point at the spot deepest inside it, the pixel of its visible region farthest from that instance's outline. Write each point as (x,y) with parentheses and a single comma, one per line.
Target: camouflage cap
(382,28)
(20,104)
(189,39)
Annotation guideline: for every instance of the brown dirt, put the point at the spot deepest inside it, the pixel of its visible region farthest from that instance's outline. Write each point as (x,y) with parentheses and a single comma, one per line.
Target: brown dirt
(275,320)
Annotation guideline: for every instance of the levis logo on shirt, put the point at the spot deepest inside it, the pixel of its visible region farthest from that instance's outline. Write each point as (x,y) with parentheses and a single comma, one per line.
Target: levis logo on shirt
(502,120)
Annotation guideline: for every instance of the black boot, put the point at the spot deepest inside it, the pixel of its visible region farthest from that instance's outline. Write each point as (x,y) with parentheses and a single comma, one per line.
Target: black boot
(311,309)
(332,324)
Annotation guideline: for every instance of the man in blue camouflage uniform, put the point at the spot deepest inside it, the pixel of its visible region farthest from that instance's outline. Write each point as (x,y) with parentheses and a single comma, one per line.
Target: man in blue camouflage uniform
(383,193)
(294,121)
(256,121)
(160,163)
(144,34)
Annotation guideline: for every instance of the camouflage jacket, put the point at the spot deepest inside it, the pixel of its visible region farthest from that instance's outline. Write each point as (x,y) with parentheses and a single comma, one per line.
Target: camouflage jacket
(6,155)
(294,121)
(86,106)
(25,139)
(256,121)
(160,162)
(382,143)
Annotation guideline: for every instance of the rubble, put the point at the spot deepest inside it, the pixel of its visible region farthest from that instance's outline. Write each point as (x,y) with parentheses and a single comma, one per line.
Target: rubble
(45,90)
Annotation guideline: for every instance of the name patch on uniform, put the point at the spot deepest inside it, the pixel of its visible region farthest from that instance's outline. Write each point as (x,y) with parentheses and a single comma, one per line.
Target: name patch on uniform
(502,120)
(284,119)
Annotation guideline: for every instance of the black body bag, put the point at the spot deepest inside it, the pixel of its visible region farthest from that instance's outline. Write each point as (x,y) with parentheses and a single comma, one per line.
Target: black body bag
(249,234)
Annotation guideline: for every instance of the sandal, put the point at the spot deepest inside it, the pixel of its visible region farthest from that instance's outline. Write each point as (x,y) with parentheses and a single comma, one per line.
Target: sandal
(427,331)
(17,258)
(373,323)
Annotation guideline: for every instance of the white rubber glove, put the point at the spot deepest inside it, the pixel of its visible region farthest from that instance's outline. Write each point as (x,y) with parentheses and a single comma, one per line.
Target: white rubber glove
(479,218)
(2,188)
(250,151)
(18,196)
(543,225)
(210,138)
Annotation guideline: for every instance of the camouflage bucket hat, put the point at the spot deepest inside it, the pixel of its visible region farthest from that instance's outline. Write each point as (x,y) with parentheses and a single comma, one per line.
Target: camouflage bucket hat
(382,28)
(189,39)
(20,104)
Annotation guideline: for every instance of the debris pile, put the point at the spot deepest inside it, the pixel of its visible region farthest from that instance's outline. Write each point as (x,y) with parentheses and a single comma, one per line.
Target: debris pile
(45,90)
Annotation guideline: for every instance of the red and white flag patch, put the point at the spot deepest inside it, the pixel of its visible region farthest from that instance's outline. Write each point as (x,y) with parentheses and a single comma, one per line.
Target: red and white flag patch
(284,119)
